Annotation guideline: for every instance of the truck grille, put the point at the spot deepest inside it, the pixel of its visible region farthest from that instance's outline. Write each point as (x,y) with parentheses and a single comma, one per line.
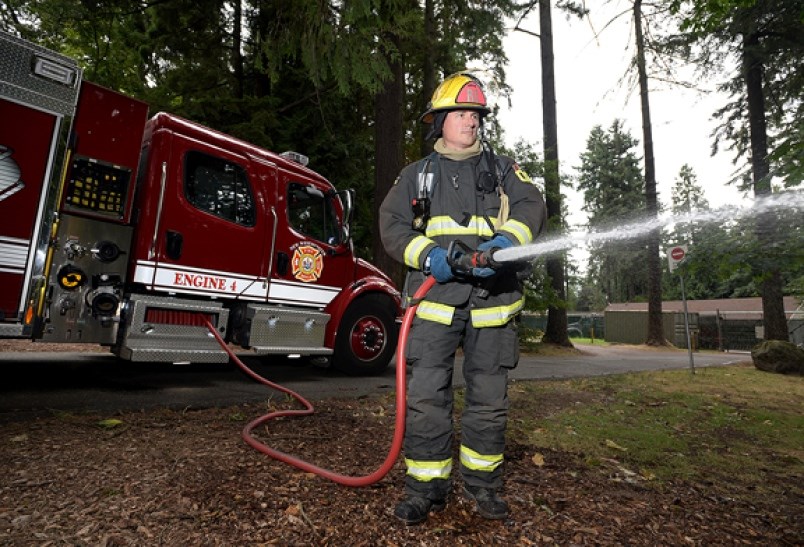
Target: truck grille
(163,316)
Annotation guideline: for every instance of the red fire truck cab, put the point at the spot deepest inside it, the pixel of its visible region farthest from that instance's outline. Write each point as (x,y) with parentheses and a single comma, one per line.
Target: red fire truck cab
(129,232)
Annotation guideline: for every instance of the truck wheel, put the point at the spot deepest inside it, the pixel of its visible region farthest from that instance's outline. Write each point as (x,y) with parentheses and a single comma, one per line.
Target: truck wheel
(366,337)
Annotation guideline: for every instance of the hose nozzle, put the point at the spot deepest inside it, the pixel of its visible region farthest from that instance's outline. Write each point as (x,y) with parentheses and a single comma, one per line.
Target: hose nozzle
(463,259)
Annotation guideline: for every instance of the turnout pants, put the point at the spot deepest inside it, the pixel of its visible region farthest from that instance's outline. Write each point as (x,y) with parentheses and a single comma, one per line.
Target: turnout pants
(489,353)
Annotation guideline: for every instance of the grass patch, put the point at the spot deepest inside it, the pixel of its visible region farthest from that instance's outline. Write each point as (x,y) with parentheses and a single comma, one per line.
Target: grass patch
(589,341)
(721,424)
(530,341)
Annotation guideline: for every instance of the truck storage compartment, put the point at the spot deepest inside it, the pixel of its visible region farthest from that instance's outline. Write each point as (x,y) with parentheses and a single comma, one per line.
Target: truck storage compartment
(170,330)
(278,330)
(38,95)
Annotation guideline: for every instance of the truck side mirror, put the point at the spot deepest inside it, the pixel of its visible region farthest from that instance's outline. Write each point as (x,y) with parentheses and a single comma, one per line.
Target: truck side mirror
(347,198)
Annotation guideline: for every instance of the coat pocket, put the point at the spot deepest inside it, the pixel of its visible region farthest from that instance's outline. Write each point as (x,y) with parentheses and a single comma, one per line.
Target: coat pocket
(509,345)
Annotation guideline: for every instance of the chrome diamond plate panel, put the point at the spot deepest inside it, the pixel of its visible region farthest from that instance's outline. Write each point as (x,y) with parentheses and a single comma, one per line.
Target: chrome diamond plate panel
(144,341)
(20,83)
(281,330)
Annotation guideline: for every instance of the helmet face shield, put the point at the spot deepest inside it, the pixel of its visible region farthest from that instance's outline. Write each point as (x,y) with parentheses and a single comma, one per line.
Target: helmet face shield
(457,92)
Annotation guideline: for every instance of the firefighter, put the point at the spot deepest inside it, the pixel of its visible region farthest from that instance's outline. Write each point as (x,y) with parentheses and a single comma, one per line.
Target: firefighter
(461,192)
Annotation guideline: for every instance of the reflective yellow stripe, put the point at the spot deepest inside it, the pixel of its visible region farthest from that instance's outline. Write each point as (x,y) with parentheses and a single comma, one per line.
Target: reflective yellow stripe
(446,226)
(496,316)
(426,471)
(517,229)
(413,251)
(480,462)
(432,311)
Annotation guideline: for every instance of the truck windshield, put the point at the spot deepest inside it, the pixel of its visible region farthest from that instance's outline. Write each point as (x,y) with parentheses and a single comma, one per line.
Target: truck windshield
(311,213)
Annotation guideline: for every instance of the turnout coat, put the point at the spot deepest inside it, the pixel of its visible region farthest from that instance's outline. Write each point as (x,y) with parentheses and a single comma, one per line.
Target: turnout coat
(463,205)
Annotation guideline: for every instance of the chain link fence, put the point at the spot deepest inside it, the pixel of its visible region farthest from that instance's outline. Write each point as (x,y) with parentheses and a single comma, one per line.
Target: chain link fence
(741,331)
(721,330)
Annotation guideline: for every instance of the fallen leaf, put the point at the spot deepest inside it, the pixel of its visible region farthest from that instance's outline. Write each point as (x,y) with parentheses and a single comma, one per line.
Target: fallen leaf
(538,459)
(109,423)
(612,444)
(647,475)
(627,472)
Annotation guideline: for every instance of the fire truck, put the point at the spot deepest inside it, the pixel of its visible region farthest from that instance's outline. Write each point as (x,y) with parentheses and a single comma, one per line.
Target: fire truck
(133,232)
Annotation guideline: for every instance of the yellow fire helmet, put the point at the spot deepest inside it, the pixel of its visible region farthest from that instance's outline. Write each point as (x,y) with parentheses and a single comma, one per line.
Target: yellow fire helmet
(459,91)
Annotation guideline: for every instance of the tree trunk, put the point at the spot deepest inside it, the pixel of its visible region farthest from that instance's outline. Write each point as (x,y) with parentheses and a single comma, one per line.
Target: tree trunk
(556,329)
(773,317)
(428,70)
(262,82)
(388,132)
(237,57)
(655,333)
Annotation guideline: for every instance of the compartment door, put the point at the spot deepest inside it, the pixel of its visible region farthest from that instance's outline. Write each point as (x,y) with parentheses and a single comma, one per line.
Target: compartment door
(27,147)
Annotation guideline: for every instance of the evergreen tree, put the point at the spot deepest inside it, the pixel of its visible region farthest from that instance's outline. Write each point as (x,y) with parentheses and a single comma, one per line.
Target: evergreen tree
(704,252)
(612,185)
(687,197)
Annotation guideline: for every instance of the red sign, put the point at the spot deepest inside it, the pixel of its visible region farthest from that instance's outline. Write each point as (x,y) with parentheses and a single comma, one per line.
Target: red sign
(676,255)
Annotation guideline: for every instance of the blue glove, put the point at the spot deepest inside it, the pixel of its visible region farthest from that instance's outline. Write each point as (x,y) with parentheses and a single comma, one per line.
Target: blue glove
(439,267)
(498,242)
(483,272)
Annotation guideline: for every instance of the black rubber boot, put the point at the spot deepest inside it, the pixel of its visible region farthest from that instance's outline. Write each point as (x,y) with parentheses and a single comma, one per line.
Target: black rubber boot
(489,504)
(415,509)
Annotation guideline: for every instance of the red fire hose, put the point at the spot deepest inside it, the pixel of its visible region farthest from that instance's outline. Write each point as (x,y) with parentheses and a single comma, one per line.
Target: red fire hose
(401,397)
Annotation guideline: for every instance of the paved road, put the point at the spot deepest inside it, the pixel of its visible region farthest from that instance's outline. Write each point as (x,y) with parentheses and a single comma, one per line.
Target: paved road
(36,383)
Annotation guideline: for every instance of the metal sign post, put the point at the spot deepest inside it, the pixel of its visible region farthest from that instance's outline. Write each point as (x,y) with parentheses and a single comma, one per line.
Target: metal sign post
(675,256)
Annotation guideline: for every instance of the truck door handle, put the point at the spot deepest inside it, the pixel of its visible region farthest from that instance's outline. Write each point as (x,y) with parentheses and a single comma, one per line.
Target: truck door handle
(282,263)
(175,242)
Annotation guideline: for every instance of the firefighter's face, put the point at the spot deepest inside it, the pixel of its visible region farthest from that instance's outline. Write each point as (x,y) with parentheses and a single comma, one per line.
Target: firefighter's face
(460,129)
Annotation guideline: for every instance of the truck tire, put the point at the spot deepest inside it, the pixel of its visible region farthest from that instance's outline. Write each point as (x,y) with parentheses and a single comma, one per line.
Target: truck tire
(366,338)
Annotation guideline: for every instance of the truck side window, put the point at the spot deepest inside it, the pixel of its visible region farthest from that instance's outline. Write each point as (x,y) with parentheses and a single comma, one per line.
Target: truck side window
(219,187)
(310,212)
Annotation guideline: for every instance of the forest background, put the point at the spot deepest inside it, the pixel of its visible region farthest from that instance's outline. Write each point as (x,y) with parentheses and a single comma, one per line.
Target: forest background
(344,82)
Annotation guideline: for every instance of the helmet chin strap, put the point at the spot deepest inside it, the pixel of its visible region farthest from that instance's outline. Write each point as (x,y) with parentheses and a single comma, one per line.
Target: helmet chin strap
(491,162)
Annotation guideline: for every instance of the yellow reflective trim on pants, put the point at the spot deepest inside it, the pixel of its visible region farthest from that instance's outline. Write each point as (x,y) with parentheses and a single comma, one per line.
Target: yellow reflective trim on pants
(496,316)
(426,471)
(480,462)
(520,231)
(432,311)
(413,251)
(446,226)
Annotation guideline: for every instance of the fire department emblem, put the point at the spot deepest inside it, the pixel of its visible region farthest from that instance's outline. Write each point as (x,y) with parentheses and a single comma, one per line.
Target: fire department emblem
(307,262)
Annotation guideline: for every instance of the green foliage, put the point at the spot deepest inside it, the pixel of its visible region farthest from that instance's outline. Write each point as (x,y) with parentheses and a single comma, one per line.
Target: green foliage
(719,33)
(287,75)
(100,34)
(725,257)
(590,298)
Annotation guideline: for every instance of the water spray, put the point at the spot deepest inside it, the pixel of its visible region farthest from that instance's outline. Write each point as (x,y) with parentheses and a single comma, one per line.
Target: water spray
(792,200)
